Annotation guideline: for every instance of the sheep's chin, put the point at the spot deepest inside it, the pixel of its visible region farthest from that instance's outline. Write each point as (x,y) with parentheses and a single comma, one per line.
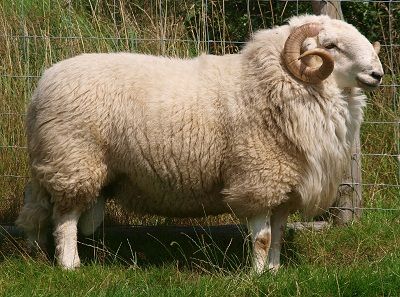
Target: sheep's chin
(366,82)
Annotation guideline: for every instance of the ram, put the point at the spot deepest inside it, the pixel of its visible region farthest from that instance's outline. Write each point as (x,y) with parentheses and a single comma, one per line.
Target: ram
(260,133)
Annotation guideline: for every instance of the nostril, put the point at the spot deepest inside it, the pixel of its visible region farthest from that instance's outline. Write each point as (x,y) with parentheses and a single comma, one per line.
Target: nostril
(376,75)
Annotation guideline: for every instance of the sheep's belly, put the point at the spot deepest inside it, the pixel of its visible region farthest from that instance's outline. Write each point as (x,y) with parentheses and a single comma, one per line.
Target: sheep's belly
(162,200)
(173,205)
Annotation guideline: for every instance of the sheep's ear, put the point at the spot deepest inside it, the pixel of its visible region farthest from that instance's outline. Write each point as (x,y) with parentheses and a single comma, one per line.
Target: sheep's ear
(377,47)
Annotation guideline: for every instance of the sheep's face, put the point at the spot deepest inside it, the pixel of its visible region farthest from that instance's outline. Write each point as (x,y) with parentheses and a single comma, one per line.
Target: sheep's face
(356,62)
(344,52)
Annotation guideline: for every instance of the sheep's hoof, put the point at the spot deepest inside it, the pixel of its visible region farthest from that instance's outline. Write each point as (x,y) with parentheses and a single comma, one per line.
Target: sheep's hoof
(273,269)
(70,266)
(69,262)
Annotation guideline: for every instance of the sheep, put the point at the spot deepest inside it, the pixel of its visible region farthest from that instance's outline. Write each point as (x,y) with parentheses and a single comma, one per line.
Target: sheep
(260,134)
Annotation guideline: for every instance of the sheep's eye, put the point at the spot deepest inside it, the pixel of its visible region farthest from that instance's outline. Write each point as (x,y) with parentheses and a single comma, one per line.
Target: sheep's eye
(330,46)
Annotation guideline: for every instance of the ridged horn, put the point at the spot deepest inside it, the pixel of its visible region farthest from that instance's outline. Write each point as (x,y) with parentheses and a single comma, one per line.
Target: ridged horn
(292,57)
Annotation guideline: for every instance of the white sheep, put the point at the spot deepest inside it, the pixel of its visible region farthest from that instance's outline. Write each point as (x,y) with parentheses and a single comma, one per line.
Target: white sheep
(261,133)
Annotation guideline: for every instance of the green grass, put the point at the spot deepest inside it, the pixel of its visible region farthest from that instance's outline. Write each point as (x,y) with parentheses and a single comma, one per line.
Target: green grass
(33,279)
(362,259)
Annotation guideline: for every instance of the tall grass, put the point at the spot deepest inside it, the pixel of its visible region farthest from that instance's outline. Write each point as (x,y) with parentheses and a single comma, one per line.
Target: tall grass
(38,33)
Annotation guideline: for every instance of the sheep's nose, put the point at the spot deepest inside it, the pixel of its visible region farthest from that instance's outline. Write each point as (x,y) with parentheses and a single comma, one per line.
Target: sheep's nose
(377,75)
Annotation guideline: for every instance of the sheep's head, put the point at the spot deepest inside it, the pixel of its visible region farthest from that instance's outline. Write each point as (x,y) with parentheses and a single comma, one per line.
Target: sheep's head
(345,53)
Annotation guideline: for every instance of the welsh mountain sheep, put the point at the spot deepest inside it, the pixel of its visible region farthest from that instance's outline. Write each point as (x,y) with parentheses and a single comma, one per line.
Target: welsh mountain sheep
(261,133)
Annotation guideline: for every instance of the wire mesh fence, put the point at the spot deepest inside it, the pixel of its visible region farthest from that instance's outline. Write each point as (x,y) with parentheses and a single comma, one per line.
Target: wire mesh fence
(36,34)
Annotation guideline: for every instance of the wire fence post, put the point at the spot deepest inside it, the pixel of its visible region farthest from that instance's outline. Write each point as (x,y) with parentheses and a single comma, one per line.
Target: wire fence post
(349,198)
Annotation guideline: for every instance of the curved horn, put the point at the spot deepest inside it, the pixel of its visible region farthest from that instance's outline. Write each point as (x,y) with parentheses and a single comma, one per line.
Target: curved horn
(292,57)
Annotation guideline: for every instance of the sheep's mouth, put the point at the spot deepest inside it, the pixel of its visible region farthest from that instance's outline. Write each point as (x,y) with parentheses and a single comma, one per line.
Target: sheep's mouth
(367,82)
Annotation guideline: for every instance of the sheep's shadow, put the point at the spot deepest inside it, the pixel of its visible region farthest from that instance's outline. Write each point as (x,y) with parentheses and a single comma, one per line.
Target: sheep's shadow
(218,247)
(210,248)
(204,248)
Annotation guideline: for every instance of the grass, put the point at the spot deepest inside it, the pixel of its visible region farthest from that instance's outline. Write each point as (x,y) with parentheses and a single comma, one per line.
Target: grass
(367,280)
(361,259)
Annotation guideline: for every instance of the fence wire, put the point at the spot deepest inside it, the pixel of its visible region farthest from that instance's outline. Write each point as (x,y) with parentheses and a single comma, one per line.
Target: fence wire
(13,148)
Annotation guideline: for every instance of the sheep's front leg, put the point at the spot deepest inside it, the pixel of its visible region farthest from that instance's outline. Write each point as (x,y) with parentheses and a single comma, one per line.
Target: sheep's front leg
(260,229)
(278,225)
(65,235)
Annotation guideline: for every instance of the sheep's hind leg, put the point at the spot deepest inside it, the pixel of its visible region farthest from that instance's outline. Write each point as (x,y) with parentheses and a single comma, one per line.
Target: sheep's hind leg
(34,218)
(260,229)
(65,235)
(66,213)
(74,187)
(92,218)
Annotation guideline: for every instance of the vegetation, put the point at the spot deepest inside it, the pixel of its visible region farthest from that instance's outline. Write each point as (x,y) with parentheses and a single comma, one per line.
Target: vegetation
(93,280)
(360,259)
